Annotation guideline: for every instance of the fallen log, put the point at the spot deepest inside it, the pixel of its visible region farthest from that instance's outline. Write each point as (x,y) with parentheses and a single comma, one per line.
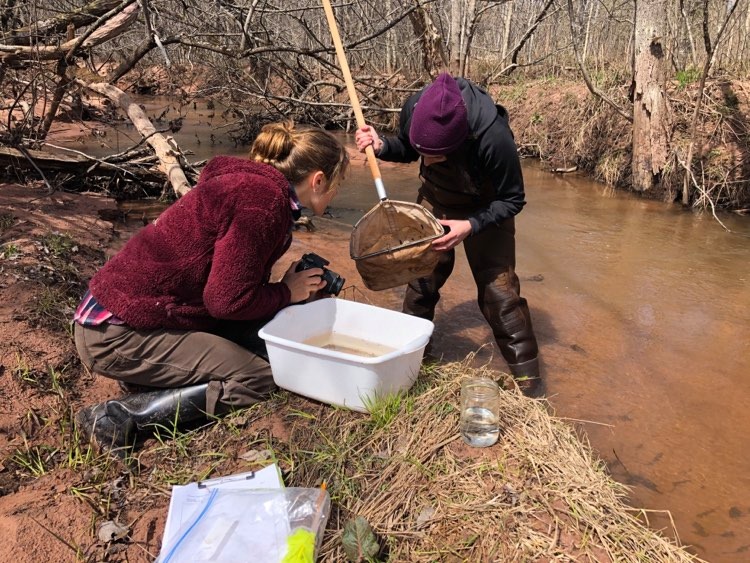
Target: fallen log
(164,147)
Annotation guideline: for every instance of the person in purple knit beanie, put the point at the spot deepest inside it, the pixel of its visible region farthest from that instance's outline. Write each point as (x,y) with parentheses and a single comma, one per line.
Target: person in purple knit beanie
(471,178)
(174,316)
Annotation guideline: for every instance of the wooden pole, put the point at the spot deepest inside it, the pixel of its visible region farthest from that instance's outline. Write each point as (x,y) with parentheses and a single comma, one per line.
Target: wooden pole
(369,151)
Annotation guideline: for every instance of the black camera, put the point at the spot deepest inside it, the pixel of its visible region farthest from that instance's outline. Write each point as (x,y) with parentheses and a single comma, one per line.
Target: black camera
(334,282)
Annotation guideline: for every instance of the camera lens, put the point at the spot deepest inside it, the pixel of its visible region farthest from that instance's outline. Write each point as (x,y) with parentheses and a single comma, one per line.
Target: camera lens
(335,282)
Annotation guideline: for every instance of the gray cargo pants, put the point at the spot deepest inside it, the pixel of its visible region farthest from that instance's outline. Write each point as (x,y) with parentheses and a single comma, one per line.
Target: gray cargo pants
(232,360)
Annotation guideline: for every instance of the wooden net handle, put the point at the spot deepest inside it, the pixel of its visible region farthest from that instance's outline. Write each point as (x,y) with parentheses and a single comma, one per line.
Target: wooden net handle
(369,151)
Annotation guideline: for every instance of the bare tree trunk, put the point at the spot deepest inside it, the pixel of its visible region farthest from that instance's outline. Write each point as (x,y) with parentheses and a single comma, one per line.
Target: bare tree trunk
(574,34)
(506,32)
(470,17)
(650,117)
(693,56)
(526,38)
(389,43)
(433,51)
(62,84)
(587,37)
(247,37)
(454,40)
(168,161)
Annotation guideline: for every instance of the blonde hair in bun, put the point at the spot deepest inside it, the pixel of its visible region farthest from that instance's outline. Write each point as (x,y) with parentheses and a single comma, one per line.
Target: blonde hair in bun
(297,151)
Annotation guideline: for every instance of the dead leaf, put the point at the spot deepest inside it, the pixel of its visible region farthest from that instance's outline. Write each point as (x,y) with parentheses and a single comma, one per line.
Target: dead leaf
(112,531)
(359,541)
(254,456)
(426,515)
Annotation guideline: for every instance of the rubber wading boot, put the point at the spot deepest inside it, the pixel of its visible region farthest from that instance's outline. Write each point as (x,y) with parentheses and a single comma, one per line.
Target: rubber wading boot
(526,375)
(114,424)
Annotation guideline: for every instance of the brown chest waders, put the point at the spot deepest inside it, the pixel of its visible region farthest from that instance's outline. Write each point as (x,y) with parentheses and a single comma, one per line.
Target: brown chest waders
(492,258)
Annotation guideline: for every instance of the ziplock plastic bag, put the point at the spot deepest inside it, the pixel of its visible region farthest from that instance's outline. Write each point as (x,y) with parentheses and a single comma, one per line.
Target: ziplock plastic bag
(258,526)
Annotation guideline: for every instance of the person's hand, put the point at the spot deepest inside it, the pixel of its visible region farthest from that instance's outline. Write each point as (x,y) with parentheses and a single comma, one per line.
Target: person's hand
(320,294)
(365,136)
(457,231)
(303,284)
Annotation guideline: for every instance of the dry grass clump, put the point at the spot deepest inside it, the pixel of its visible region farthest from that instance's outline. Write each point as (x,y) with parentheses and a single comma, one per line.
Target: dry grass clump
(539,493)
(721,165)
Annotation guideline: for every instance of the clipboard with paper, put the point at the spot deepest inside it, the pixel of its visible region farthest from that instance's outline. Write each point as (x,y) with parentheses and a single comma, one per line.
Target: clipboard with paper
(244,517)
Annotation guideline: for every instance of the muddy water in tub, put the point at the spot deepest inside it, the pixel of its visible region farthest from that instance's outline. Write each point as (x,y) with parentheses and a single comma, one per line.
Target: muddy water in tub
(348,345)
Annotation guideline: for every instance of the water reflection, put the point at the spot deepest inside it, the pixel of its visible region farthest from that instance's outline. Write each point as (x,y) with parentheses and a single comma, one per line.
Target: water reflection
(655,302)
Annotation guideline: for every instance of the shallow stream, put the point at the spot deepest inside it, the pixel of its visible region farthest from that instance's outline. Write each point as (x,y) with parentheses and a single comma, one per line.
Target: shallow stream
(642,312)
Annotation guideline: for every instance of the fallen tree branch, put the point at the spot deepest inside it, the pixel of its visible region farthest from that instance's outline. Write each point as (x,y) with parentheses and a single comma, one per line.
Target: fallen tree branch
(114,27)
(83,16)
(564,170)
(98,162)
(29,158)
(77,162)
(169,161)
(701,188)
(107,26)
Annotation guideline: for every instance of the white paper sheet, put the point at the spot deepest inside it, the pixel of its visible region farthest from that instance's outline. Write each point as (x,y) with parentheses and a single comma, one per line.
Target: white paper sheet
(234,526)
(187,499)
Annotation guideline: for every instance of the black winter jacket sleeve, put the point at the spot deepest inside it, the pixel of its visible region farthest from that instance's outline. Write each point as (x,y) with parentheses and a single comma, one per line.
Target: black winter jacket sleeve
(398,148)
(498,160)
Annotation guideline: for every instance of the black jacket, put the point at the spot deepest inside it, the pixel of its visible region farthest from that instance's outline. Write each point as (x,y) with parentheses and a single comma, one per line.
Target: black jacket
(489,159)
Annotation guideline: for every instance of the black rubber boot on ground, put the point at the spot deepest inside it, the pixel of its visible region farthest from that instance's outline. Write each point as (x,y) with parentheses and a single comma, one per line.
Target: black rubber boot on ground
(430,356)
(126,387)
(526,375)
(113,425)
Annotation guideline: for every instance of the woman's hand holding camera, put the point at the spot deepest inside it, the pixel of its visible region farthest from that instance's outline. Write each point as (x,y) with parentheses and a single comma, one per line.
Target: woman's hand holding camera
(304,283)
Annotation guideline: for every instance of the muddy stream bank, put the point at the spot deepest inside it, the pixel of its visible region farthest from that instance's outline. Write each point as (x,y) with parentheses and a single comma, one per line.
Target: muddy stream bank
(641,311)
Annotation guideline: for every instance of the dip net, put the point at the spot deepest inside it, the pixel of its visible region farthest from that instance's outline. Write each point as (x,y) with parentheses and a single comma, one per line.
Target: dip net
(391,244)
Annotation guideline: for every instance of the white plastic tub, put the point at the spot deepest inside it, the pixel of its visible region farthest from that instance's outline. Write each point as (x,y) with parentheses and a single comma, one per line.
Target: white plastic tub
(336,377)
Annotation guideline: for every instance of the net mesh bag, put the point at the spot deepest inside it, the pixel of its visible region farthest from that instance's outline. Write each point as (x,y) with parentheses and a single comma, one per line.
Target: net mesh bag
(391,244)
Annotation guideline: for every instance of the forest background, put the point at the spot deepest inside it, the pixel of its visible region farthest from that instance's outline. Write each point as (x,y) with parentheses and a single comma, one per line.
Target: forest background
(644,95)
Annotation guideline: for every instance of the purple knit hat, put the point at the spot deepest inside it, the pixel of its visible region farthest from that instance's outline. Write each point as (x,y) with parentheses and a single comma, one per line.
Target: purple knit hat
(439,124)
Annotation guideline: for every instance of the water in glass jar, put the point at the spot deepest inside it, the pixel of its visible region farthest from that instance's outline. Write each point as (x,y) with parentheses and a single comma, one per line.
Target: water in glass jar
(479,427)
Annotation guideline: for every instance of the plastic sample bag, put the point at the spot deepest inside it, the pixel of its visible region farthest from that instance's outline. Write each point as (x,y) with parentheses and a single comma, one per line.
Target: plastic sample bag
(258,526)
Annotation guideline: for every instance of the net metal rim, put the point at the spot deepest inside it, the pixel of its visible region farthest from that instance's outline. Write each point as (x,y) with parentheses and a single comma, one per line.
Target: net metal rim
(395,248)
(430,219)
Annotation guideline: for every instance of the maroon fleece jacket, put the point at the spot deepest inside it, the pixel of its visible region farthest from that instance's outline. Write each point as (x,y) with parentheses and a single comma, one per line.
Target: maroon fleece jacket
(208,256)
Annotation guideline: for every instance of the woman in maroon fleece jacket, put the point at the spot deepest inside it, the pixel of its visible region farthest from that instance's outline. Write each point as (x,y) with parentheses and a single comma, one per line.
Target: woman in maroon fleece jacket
(179,307)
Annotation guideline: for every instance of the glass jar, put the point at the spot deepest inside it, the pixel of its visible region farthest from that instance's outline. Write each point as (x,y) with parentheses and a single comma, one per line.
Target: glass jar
(480,412)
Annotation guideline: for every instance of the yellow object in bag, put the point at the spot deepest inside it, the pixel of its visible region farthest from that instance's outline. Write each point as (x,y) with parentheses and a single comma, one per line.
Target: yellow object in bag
(300,547)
